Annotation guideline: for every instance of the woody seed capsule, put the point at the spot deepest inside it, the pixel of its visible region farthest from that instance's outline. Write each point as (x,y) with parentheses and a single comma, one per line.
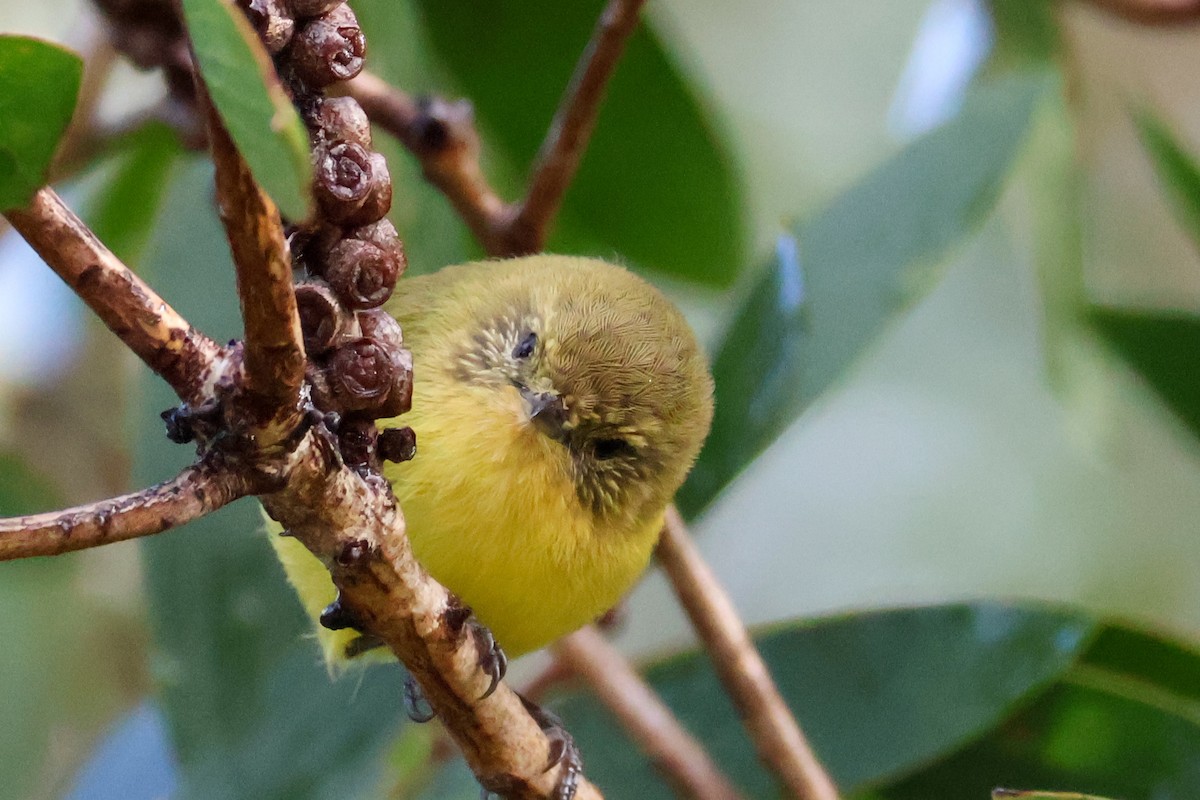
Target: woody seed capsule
(342,178)
(361,274)
(360,374)
(329,48)
(272,22)
(313,8)
(340,118)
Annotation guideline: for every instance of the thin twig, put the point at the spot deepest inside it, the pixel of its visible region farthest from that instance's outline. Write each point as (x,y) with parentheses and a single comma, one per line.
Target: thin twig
(200,489)
(355,527)
(185,358)
(644,715)
(442,136)
(274,349)
(780,743)
(571,129)
(1153,13)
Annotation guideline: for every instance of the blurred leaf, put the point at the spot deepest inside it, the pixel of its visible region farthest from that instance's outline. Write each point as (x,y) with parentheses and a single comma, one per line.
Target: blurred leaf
(817,306)
(48,629)
(41,77)
(1176,170)
(1164,350)
(125,208)
(1017,794)
(23,491)
(656,184)
(1026,33)
(1099,730)
(249,705)
(877,692)
(253,105)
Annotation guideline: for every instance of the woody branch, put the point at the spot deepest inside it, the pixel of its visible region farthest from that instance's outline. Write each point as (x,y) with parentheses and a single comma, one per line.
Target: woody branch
(442,136)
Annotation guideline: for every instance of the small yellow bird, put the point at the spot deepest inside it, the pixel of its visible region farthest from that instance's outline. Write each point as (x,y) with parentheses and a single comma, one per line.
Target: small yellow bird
(558,404)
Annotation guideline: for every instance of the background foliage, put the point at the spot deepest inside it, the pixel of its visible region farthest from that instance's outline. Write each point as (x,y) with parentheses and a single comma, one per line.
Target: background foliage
(943,255)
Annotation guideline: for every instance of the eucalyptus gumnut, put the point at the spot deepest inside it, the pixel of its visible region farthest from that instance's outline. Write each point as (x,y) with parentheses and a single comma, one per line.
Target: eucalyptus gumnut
(396,444)
(361,274)
(352,186)
(360,374)
(323,321)
(341,118)
(329,48)
(399,397)
(342,177)
(382,327)
(272,21)
(313,8)
(379,196)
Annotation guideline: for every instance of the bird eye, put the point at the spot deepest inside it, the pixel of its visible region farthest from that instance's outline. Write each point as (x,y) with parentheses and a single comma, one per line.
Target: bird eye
(604,449)
(524,348)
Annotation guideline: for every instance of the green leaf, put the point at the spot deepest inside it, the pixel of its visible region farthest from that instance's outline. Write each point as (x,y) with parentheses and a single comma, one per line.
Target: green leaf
(1176,170)
(1018,794)
(656,184)
(252,103)
(820,303)
(39,83)
(250,707)
(1164,349)
(876,692)
(1027,33)
(1123,722)
(48,628)
(125,208)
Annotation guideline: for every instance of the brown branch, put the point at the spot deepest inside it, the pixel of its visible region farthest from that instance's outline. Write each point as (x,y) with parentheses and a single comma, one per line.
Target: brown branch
(442,136)
(1153,13)
(274,349)
(780,743)
(200,489)
(644,715)
(354,526)
(572,127)
(185,358)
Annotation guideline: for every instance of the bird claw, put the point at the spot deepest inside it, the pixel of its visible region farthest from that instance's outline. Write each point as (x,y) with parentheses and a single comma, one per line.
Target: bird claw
(563,750)
(414,699)
(492,659)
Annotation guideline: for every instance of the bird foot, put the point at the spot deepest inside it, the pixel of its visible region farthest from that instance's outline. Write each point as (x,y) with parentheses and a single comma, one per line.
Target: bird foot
(492,659)
(563,750)
(415,704)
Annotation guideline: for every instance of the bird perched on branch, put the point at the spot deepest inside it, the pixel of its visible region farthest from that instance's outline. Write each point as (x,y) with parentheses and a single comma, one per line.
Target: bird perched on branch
(558,404)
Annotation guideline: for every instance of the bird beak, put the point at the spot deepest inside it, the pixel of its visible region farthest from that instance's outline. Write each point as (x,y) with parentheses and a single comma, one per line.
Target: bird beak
(546,411)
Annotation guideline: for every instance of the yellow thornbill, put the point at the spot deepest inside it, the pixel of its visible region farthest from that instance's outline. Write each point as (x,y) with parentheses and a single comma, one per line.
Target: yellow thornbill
(558,405)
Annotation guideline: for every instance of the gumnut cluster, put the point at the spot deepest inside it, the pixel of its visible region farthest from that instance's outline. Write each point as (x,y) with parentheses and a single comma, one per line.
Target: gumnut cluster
(348,255)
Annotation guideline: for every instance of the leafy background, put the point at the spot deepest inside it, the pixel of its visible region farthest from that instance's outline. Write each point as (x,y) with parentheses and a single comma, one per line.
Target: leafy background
(953,471)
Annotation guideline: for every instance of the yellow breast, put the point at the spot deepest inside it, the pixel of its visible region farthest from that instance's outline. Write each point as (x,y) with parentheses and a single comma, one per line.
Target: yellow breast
(492,515)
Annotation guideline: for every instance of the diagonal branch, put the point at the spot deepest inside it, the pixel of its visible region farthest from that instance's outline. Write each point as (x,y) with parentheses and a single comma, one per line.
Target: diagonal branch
(1153,13)
(274,350)
(185,358)
(443,137)
(355,527)
(571,129)
(777,737)
(200,489)
(644,715)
